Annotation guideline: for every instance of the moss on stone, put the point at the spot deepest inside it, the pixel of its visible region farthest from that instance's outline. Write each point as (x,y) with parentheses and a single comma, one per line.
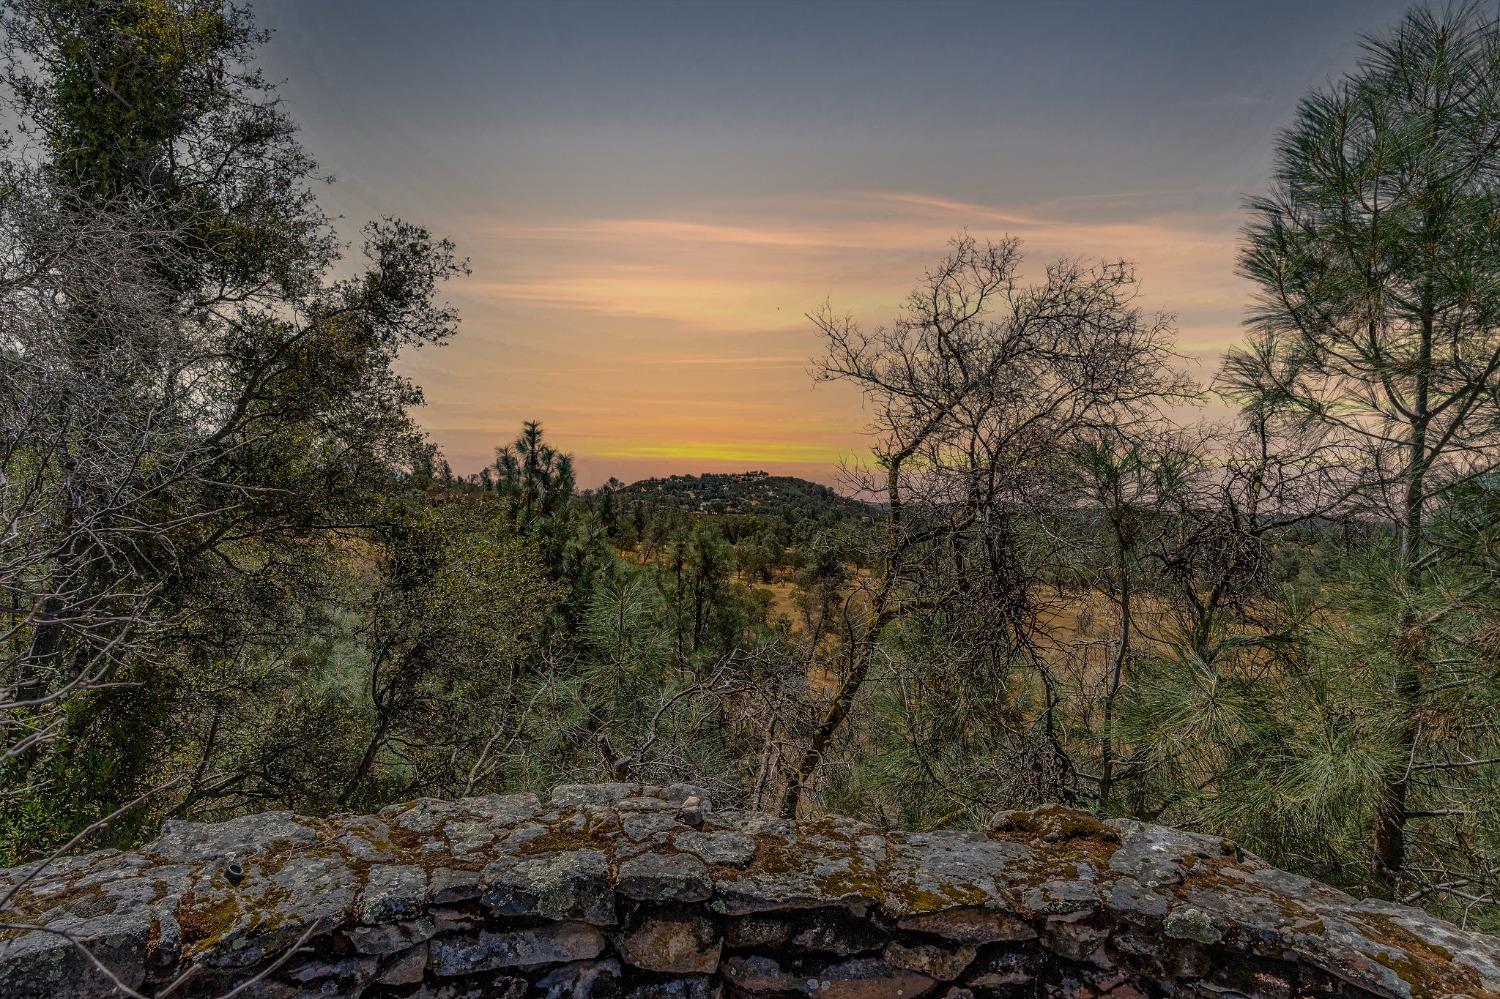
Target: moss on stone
(595,835)
(1427,967)
(85,900)
(205,921)
(843,869)
(1054,824)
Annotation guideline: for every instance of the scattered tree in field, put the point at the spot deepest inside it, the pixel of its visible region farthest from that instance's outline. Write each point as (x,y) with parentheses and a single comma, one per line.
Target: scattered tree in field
(534,476)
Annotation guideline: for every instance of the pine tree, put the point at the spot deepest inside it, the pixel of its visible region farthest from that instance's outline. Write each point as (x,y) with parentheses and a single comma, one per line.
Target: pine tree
(1377,256)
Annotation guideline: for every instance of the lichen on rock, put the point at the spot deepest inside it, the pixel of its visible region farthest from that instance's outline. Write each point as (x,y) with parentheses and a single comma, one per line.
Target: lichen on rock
(638,891)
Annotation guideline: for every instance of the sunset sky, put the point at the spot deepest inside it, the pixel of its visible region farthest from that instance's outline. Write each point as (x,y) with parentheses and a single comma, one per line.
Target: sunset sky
(652,196)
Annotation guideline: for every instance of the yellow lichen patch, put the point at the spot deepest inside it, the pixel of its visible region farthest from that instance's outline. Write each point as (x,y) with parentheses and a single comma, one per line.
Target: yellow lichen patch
(1224,876)
(857,879)
(275,857)
(828,828)
(205,921)
(776,855)
(1059,836)
(1427,967)
(849,874)
(88,900)
(1213,870)
(910,899)
(595,834)
(826,875)
(1055,824)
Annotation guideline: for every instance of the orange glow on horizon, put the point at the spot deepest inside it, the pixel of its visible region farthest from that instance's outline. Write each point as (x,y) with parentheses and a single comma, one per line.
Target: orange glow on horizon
(658,345)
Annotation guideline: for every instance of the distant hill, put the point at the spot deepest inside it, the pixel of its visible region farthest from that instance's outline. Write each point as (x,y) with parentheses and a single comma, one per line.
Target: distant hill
(747,493)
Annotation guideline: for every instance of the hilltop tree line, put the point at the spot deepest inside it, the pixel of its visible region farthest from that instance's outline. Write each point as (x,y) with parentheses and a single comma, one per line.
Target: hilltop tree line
(235,575)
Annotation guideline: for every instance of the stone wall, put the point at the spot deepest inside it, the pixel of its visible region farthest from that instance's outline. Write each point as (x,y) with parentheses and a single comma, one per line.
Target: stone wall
(624,890)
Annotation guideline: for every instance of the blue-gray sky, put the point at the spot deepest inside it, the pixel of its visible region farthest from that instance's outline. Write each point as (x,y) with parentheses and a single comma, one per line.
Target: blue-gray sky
(652,195)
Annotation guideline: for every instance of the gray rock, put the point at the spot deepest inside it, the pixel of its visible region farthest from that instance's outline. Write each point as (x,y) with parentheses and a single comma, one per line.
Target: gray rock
(448,920)
(1157,856)
(498,986)
(470,837)
(1003,969)
(1061,897)
(970,925)
(44,965)
(424,815)
(500,810)
(664,877)
(641,803)
(798,878)
(733,849)
(189,841)
(1076,941)
(392,892)
(679,944)
(754,823)
(1481,954)
(548,944)
(941,963)
(1131,899)
(834,931)
(569,885)
(865,978)
(488,897)
(389,938)
(268,912)
(367,838)
(582,979)
(351,973)
(164,950)
(760,931)
(1187,923)
(408,967)
(679,987)
(653,826)
(679,792)
(448,886)
(593,794)
(760,974)
(691,812)
(946,870)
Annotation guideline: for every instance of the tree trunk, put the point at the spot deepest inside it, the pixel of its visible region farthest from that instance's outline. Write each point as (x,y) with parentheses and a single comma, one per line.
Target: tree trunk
(1117,676)
(801,775)
(1389,842)
(1389,847)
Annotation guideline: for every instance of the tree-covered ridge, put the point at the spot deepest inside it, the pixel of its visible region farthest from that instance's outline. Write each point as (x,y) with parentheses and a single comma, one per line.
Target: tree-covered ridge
(756,493)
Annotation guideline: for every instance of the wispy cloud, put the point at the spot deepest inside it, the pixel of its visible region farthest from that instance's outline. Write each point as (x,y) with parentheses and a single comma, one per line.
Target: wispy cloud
(684,337)
(760,266)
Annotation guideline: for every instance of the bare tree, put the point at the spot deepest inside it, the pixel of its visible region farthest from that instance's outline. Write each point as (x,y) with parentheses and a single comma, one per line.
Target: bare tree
(974,388)
(94,429)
